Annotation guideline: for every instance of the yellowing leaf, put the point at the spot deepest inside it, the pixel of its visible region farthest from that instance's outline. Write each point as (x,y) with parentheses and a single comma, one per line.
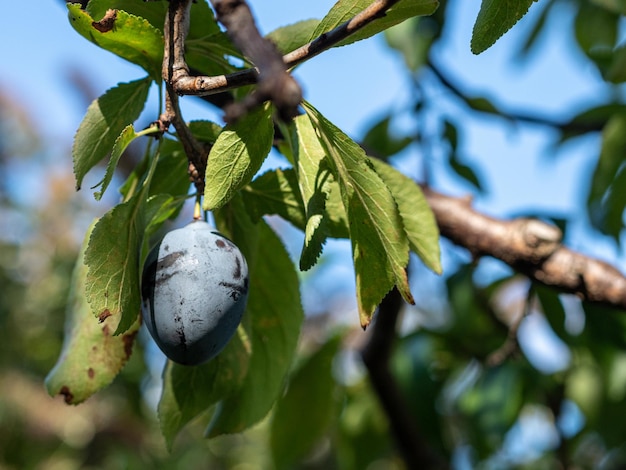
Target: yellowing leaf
(131,37)
(91,355)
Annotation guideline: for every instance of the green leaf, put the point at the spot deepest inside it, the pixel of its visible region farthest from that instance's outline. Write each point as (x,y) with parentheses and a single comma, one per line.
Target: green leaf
(274,315)
(531,42)
(492,405)
(304,414)
(190,391)
(413,39)
(589,120)
(120,145)
(171,176)
(205,131)
(616,72)
(379,142)
(237,155)
(211,54)
(495,18)
(105,120)
(91,356)
(380,247)
(596,33)
(417,217)
(130,37)
(345,10)
(314,180)
(612,157)
(290,37)
(202,20)
(275,192)
(154,12)
(464,171)
(113,259)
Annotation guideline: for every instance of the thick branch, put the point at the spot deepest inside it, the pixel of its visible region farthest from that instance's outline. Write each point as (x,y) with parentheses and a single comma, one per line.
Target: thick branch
(274,83)
(530,247)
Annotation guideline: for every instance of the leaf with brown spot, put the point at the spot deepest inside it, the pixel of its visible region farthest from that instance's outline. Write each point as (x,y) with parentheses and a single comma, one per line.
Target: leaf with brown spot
(104,315)
(91,357)
(107,23)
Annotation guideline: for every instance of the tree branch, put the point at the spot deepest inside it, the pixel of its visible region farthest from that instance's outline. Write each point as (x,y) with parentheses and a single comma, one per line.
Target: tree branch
(205,85)
(531,247)
(274,83)
(568,127)
(376,355)
(174,66)
(329,39)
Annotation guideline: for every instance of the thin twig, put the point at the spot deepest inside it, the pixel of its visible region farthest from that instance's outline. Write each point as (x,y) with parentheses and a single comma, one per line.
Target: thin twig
(206,85)
(510,347)
(516,116)
(329,39)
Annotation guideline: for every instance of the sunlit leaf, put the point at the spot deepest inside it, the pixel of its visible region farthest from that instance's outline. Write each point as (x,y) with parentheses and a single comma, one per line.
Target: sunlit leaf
(417,217)
(237,155)
(495,18)
(344,10)
(131,37)
(290,37)
(113,259)
(120,145)
(105,120)
(379,244)
(91,356)
(154,12)
(314,180)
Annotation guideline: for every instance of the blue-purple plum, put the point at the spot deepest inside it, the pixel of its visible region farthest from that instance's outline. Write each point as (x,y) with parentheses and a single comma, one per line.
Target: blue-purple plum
(194,292)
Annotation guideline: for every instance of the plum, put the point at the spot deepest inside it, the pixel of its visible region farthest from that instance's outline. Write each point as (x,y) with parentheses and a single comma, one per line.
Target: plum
(194,290)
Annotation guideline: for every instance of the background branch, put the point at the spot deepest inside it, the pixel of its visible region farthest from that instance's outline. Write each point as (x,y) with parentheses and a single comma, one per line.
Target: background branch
(531,247)
(376,355)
